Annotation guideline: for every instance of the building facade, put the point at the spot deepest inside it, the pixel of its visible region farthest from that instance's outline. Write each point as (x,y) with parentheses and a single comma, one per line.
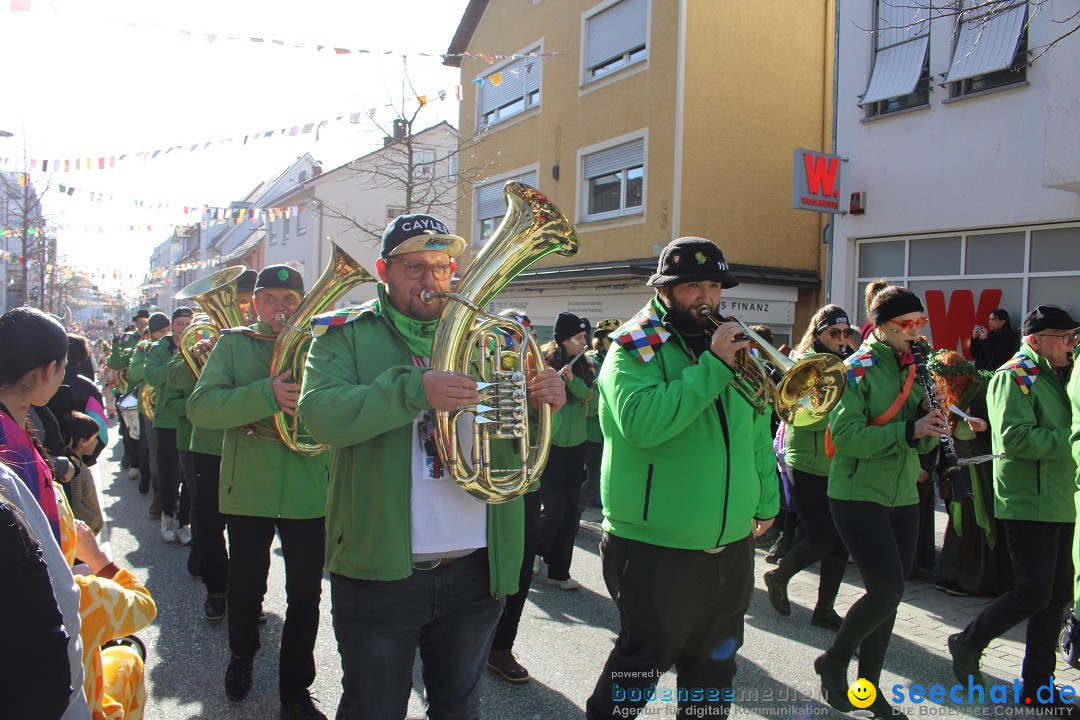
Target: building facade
(968,155)
(647,120)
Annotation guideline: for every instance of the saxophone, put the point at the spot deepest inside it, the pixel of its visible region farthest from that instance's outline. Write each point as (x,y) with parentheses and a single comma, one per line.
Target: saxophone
(468,337)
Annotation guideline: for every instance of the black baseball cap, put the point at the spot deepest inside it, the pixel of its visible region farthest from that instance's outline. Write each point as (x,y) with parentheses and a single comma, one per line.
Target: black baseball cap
(1047,317)
(279,277)
(416,233)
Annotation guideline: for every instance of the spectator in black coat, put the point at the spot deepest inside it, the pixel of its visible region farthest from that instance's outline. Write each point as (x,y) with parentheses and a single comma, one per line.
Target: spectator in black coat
(992,347)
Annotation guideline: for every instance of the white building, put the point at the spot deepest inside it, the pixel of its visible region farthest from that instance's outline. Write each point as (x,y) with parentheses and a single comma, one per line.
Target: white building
(969,158)
(351,204)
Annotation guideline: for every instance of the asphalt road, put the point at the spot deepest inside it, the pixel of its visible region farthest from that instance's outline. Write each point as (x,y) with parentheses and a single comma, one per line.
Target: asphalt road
(563,641)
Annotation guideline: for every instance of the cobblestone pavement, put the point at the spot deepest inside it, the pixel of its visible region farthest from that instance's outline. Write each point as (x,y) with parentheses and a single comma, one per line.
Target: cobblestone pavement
(564,637)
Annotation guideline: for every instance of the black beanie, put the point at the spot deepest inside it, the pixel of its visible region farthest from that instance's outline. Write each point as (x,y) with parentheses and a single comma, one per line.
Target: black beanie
(567,325)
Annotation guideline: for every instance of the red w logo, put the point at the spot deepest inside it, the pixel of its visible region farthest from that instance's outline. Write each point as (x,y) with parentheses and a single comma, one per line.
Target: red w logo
(821,174)
(952,324)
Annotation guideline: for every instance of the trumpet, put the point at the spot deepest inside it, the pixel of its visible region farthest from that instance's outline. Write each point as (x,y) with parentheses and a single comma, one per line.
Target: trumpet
(808,389)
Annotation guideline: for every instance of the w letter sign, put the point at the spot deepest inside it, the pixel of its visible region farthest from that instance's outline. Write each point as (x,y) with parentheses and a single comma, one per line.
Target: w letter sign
(816,182)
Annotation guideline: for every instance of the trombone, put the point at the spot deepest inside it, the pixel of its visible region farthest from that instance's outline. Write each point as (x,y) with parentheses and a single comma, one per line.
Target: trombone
(808,390)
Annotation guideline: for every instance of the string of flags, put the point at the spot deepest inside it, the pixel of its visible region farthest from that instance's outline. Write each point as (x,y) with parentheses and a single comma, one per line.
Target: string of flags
(329,50)
(92,162)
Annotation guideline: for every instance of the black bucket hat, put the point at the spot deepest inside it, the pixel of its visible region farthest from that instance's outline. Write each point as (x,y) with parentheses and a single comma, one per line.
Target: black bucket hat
(692,259)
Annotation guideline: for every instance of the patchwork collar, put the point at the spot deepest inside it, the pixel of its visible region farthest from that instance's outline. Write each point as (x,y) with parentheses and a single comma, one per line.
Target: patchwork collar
(642,335)
(1024,370)
(856,364)
(330,320)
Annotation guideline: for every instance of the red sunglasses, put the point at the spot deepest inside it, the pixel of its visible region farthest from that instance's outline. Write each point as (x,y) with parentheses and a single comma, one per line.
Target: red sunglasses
(905,325)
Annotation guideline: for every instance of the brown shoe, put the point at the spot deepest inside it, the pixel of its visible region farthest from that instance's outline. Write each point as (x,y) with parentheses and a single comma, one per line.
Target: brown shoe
(504,663)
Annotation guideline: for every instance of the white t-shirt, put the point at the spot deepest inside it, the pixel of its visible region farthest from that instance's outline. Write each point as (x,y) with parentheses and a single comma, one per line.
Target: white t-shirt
(446,520)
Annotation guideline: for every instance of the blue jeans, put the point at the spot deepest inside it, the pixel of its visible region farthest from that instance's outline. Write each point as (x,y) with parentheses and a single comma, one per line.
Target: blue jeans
(448,613)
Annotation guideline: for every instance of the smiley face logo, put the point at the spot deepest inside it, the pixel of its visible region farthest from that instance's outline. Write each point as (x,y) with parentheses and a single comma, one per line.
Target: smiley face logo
(862,693)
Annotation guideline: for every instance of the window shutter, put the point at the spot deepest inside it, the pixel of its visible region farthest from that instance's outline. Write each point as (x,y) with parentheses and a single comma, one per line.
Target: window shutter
(489,198)
(615,30)
(987,44)
(900,46)
(510,89)
(608,161)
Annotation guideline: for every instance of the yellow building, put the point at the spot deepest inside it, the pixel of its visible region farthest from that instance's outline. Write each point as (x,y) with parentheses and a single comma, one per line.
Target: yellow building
(647,120)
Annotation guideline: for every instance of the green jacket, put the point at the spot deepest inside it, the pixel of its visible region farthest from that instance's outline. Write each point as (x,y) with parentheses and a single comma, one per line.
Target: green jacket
(1030,424)
(1074,394)
(573,416)
(361,395)
(156,369)
(673,474)
(137,365)
(593,433)
(120,355)
(259,477)
(805,446)
(876,463)
(201,440)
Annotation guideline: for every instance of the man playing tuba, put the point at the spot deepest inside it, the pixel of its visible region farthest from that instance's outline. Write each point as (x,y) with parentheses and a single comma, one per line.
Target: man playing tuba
(265,487)
(394,514)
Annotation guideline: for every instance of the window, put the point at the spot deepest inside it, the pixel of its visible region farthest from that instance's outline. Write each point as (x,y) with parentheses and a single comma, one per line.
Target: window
(424,164)
(615,37)
(991,48)
(452,167)
(285,224)
(901,75)
(510,90)
(393,211)
(273,232)
(491,207)
(614,181)
(301,221)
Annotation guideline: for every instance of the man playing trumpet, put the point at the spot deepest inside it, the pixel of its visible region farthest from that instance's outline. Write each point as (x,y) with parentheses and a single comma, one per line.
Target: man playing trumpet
(688,477)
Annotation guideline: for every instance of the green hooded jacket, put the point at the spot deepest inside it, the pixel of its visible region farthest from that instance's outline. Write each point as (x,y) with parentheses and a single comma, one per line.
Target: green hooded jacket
(876,463)
(259,477)
(361,395)
(1074,394)
(156,369)
(201,440)
(673,474)
(1030,424)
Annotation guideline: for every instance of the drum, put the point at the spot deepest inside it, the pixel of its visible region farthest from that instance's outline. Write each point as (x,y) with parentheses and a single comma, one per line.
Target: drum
(129,408)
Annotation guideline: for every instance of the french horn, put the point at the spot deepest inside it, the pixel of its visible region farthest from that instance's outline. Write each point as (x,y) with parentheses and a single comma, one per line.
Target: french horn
(468,340)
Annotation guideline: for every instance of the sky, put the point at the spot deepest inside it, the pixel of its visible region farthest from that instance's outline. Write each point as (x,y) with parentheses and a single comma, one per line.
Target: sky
(92,78)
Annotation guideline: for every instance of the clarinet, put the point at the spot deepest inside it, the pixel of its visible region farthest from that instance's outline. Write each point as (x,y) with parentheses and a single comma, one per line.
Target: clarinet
(960,485)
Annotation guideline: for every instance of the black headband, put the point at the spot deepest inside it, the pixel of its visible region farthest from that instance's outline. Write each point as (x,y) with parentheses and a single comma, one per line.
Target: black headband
(900,304)
(835,317)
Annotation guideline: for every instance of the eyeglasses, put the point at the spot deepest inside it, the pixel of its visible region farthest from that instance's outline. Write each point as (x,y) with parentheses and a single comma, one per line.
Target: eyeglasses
(905,325)
(1067,338)
(837,333)
(415,271)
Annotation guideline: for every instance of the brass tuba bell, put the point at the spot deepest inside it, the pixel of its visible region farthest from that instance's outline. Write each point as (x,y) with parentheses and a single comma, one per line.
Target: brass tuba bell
(342,274)
(215,294)
(468,337)
(809,389)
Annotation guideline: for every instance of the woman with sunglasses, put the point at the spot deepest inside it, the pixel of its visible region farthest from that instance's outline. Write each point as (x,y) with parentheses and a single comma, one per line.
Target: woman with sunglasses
(828,332)
(879,427)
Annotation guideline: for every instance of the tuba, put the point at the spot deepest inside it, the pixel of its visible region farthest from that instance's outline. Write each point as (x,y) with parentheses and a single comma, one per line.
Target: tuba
(469,337)
(147,398)
(216,295)
(808,390)
(342,274)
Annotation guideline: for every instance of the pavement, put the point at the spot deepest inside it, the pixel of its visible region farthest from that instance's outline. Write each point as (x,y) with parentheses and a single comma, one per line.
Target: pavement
(564,637)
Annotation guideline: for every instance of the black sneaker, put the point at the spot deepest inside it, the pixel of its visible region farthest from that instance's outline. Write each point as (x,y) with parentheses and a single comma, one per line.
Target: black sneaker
(965,661)
(827,618)
(215,607)
(238,678)
(777,593)
(302,709)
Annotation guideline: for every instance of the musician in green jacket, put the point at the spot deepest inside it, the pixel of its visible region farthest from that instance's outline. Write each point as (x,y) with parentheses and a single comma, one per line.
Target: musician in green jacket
(265,488)
(1034,496)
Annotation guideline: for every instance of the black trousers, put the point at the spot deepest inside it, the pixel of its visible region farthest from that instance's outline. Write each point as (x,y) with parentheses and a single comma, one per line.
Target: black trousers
(882,542)
(676,607)
(302,544)
(213,556)
(560,486)
(506,631)
(147,476)
(170,478)
(1041,555)
(820,541)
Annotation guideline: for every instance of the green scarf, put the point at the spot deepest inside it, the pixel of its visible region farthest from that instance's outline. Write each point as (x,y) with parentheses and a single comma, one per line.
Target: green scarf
(418,334)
